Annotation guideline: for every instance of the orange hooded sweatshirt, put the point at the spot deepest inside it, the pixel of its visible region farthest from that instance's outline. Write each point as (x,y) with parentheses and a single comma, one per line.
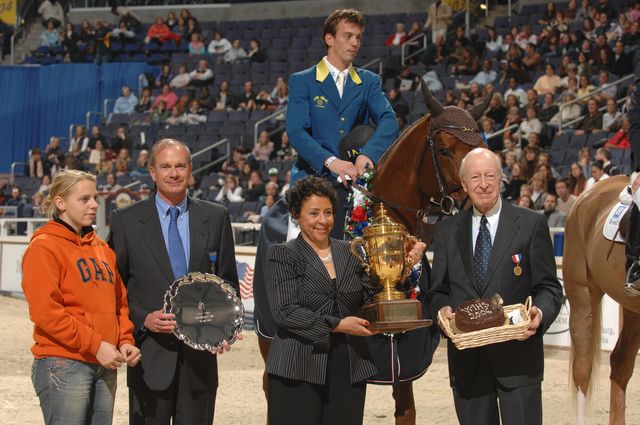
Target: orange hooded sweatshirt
(75,293)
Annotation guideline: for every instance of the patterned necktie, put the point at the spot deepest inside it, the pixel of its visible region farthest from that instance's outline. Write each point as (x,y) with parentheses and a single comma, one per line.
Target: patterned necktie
(340,83)
(482,253)
(176,250)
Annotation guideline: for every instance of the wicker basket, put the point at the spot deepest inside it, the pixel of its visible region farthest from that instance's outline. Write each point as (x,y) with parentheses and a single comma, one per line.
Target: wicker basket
(507,332)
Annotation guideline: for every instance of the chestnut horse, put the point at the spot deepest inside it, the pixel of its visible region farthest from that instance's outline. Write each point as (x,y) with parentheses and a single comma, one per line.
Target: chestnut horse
(417,177)
(591,267)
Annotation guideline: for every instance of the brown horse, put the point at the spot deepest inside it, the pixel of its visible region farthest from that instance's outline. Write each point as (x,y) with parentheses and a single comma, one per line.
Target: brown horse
(591,267)
(417,176)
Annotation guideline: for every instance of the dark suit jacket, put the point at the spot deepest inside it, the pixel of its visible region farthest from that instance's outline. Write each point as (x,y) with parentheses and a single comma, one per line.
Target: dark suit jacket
(520,231)
(301,297)
(143,263)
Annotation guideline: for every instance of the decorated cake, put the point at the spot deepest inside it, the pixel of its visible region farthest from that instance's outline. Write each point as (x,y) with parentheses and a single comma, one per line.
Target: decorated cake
(480,314)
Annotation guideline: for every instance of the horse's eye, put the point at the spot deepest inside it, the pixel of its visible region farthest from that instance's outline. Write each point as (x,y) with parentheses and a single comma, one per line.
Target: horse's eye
(444,152)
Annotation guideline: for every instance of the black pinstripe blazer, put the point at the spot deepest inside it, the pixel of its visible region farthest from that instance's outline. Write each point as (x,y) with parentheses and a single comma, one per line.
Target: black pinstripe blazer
(301,297)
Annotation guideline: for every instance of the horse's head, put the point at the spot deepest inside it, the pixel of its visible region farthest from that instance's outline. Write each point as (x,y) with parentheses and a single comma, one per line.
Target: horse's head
(452,134)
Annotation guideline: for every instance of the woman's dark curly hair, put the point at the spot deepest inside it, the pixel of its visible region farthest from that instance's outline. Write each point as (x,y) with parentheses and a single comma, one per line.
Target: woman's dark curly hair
(305,188)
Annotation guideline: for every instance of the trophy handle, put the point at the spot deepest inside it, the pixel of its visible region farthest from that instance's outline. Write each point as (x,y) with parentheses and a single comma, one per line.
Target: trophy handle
(407,264)
(353,247)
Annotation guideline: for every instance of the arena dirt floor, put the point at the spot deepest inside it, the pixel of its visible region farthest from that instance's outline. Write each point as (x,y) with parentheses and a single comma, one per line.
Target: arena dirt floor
(241,401)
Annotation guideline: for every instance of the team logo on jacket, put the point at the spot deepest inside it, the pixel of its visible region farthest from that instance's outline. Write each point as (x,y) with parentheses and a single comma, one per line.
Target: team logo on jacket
(320,101)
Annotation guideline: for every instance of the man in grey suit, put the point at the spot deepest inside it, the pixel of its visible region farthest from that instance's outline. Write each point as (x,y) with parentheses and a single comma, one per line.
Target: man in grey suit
(495,247)
(555,218)
(156,241)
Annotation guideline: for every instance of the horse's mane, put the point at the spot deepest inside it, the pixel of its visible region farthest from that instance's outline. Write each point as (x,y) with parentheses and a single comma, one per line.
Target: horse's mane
(406,134)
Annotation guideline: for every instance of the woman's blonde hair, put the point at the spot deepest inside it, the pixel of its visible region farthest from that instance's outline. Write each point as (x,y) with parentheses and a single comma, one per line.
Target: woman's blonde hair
(61,186)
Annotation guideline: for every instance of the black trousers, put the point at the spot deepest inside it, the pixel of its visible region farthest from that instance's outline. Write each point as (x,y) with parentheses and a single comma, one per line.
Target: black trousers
(338,402)
(632,243)
(486,401)
(178,402)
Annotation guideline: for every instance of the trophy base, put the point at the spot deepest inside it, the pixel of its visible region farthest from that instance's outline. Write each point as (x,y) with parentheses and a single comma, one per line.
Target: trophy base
(394,316)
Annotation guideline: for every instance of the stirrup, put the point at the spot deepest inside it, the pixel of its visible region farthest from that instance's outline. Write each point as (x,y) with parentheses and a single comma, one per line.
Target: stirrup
(632,285)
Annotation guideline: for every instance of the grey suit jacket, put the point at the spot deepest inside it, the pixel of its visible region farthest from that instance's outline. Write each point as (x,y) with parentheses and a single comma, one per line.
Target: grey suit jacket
(520,231)
(143,262)
(302,297)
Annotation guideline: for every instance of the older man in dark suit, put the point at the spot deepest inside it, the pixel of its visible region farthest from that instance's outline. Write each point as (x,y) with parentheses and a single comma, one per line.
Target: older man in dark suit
(495,247)
(156,241)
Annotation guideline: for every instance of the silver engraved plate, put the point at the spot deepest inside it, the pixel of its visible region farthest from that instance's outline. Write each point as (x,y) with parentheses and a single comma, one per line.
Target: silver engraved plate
(207,310)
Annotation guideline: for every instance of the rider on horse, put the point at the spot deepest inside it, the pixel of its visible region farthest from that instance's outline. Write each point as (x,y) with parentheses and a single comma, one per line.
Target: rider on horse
(633,231)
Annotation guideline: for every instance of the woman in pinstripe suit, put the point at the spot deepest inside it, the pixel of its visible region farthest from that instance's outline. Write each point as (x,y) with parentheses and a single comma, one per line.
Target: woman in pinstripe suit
(318,362)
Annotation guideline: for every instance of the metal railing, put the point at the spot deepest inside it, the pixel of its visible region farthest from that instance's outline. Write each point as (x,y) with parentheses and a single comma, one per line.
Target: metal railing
(105,107)
(589,95)
(373,62)
(89,114)
(14,36)
(141,79)
(14,165)
(410,43)
(265,119)
(216,161)
(502,131)
(601,109)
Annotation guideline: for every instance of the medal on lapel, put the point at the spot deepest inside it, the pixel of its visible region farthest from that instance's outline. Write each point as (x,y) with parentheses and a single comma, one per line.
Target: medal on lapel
(213,258)
(517,269)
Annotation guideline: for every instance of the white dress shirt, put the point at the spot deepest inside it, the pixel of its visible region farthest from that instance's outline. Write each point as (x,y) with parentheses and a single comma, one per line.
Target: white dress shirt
(335,72)
(493,216)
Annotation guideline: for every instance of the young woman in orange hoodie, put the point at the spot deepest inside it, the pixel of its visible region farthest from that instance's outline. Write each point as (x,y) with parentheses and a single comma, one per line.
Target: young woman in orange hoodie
(78,305)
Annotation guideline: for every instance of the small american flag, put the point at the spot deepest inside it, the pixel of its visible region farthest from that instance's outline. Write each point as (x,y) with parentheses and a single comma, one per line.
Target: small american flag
(245,277)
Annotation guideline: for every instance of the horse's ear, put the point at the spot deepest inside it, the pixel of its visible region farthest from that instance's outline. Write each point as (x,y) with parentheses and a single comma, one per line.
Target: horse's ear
(478,110)
(432,103)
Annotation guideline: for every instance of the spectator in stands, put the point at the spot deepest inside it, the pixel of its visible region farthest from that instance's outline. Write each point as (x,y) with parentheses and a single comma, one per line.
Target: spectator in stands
(195,114)
(622,63)
(74,159)
(486,75)
(531,124)
(122,163)
(435,53)
(96,153)
(577,180)
(123,33)
(193,188)
(604,60)
(238,159)
(555,218)
(529,161)
(509,159)
(202,75)
(494,40)
(604,156)
(399,105)
(236,53)
(532,59)
(165,76)
(534,141)
(141,167)
(102,37)
(255,187)
(264,101)
(181,28)
(37,166)
(171,20)
(219,45)
(186,15)
(71,51)
(182,79)
(526,36)
(196,46)
(539,185)
(167,96)
(50,37)
(263,148)
(524,201)
(270,189)
(532,101)
(548,109)
(605,6)
(244,175)
(45,184)
(467,64)
(86,37)
(568,112)
(160,33)
(175,117)
(256,52)
(247,99)
(223,101)
(597,174)
(126,103)
(592,122)
(52,12)
(549,82)
(145,103)
(513,118)
(496,111)
(192,28)
(510,145)
(159,112)
(611,116)
(36,208)
(285,151)
(549,14)
(282,98)
(205,99)
(620,140)
(565,198)
(631,38)
(120,140)
(511,190)
(545,169)
(399,37)
(231,191)
(610,91)
(584,66)
(515,89)
(438,19)
(80,138)
(96,134)
(584,11)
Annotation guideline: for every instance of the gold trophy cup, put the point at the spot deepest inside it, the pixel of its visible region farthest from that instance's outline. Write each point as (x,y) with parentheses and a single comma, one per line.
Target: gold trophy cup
(384,244)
